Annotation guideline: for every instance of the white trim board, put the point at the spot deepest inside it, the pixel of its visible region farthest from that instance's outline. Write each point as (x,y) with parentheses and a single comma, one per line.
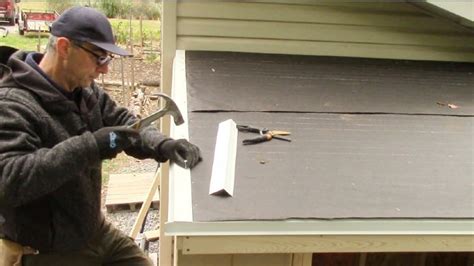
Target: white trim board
(325,227)
(180,197)
(197,245)
(223,167)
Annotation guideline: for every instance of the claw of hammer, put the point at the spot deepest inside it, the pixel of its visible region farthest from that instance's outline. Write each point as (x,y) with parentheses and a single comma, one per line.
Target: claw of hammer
(170,108)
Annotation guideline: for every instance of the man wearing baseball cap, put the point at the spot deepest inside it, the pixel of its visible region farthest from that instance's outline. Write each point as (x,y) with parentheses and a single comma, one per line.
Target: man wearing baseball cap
(57,126)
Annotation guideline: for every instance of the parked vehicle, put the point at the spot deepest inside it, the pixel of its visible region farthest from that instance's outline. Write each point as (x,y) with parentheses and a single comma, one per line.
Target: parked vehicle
(36,21)
(9,11)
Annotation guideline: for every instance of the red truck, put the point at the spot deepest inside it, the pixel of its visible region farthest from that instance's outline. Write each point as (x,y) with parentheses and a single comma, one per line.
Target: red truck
(36,20)
(9,11)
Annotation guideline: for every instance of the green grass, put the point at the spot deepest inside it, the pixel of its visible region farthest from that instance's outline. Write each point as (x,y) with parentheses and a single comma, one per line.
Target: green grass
(151,30)
(151,34)
(29,42)
(108,166)
(111,166)
(36,5)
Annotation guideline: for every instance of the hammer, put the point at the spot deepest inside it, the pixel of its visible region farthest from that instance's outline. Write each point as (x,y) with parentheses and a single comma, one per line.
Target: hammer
(170,108)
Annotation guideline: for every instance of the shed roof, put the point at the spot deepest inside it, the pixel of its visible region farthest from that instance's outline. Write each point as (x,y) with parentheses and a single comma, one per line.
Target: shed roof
(371,138)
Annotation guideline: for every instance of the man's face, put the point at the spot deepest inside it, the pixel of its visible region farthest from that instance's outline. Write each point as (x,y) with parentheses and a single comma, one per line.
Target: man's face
(86,63)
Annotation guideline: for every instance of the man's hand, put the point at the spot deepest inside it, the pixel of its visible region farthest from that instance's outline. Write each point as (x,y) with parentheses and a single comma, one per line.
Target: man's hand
(113,140)
(182,152)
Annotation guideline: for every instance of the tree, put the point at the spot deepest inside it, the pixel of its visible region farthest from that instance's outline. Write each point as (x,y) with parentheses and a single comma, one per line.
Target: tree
(61,5)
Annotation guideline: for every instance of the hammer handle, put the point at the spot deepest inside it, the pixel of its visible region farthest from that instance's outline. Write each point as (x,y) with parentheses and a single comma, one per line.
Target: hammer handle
(262,138)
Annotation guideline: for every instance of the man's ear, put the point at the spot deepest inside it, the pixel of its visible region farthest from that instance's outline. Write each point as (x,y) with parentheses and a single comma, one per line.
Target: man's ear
(63,45)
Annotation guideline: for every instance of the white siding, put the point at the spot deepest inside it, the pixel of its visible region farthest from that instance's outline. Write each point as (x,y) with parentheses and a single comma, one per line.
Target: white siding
(374,30)
(311,27)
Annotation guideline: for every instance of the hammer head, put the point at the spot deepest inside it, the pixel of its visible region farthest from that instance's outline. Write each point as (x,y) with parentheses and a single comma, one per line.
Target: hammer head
(172,109)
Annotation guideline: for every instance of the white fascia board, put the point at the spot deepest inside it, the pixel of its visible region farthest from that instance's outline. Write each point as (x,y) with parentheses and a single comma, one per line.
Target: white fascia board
(180,197)
(324,227)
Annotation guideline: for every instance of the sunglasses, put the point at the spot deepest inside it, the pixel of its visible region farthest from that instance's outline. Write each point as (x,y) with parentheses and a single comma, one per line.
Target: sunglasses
(101,60)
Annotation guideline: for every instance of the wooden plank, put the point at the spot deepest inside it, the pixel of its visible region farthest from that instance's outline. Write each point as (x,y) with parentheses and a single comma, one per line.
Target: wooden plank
(133,191)
(200,260)
(145,206)
(302,259)
(152,235)
(262,260)
(128,207)
(311,14)
(124,198)
(128,190)
(319,32)
(326,49)
(176,252)
(362,259)
(326,243)
(235,260)
(129,200)
(154,258)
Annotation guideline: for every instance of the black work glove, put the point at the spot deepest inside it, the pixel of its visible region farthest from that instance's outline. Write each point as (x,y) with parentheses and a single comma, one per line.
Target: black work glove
(181,152)
(113,140)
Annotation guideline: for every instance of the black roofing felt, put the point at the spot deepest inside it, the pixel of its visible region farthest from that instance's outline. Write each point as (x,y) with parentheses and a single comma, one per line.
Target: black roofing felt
(251,82)
(356,158)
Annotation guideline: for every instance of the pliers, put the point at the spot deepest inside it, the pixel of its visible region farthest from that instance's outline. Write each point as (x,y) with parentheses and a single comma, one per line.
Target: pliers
(265,134)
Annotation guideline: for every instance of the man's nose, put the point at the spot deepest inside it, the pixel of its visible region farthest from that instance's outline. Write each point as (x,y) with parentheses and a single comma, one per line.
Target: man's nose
(104,69)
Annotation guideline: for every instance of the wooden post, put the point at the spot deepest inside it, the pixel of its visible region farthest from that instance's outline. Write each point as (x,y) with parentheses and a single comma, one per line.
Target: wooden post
(124,97)
(302,259)
(145,206)
(362,259)
(132,61)
(141,32)
(169,9)
(38,47)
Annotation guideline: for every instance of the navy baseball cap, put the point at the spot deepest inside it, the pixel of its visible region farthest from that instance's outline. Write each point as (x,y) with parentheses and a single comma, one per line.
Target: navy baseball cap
(86,24)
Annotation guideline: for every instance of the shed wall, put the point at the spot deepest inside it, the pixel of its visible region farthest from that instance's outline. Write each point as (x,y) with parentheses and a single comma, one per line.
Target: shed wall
(309,27)
(373,30)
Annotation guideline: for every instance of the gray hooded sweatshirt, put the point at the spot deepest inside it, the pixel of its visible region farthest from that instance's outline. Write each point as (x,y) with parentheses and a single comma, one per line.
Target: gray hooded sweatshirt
(50,170)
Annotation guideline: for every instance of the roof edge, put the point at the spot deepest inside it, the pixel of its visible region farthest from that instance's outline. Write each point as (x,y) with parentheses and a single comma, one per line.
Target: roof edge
(461,12)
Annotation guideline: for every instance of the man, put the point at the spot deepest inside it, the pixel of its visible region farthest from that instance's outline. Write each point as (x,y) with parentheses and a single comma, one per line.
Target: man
(56,127)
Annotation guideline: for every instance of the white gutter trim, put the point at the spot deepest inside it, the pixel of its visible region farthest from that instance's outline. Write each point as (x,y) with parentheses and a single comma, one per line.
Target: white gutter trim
(180,197)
